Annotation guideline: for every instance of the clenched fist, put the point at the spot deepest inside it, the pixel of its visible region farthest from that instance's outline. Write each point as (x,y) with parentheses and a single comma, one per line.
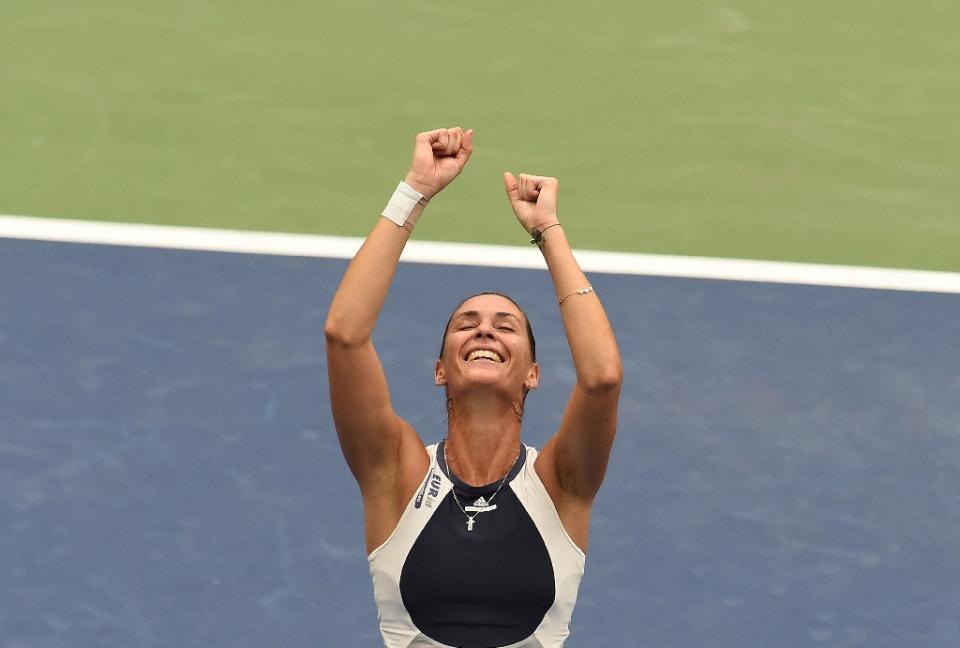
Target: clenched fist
(534,200)
(438,157)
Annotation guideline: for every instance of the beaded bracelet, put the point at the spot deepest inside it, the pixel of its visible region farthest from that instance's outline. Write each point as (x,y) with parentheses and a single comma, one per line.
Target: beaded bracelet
(582,291)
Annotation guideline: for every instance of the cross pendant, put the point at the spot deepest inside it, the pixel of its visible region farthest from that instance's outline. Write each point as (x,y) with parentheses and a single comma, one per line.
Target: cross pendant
(469,524)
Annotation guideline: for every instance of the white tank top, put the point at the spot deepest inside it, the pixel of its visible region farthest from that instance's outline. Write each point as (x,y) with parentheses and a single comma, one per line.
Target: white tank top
(509,579)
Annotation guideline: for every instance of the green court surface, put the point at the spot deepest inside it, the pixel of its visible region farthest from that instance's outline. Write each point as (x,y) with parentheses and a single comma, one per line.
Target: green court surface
(806,131)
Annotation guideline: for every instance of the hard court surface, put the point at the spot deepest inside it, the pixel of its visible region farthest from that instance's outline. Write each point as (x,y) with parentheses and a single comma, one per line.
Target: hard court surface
(786,473)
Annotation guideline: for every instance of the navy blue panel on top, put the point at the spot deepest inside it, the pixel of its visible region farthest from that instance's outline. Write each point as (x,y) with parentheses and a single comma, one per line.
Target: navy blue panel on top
(489,586)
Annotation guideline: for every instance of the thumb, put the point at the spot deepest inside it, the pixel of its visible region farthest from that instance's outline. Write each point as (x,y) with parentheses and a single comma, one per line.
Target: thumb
(425,144)
(513,189)
(466,148)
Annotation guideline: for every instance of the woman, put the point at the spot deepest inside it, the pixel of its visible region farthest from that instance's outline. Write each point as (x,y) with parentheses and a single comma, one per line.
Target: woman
(477,541)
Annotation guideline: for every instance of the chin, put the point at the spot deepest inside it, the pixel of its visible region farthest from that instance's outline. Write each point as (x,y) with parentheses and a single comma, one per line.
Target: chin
(494,384)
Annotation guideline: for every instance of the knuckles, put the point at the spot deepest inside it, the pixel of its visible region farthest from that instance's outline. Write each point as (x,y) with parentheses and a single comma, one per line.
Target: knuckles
(538,181)
(532,186)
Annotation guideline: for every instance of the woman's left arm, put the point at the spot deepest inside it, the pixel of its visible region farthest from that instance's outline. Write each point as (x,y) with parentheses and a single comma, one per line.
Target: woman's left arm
(577,455)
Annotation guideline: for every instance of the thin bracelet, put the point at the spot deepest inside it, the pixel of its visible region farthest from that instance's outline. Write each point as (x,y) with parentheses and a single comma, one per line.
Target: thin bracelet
(582,291)
(538,235)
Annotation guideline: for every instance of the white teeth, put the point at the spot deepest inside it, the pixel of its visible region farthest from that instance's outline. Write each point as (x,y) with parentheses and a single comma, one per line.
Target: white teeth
(483,353)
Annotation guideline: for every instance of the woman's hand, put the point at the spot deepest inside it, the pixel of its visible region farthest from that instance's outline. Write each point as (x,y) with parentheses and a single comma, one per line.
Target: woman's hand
(534,200)
(438,157)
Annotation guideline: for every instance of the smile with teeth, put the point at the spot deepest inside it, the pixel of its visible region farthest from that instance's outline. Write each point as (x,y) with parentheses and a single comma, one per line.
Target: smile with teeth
(484,354)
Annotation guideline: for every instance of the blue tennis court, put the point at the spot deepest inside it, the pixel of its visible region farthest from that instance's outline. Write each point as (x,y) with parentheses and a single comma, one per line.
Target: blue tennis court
(787,471)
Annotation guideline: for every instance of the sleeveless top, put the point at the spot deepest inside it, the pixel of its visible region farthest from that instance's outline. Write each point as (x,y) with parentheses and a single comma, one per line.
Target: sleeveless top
(510,581)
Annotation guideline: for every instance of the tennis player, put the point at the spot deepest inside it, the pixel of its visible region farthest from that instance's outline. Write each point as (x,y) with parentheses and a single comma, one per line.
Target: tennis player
(477,541)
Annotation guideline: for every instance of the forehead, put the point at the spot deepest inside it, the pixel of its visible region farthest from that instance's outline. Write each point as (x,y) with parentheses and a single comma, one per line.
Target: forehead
(489,305)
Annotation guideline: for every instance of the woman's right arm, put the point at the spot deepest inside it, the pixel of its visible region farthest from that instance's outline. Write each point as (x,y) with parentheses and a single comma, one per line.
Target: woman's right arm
(370,432)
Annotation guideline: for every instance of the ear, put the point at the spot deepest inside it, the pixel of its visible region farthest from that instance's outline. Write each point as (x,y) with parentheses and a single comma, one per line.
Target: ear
(439,379)
(533,377)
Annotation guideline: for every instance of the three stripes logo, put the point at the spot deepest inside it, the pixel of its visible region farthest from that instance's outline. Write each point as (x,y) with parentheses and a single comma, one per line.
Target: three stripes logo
(480,505)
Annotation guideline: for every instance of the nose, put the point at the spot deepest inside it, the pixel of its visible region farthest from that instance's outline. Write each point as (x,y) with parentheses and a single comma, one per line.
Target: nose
(484,329)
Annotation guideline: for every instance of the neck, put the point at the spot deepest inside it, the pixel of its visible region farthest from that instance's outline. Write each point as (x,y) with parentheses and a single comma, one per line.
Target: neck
(483,439)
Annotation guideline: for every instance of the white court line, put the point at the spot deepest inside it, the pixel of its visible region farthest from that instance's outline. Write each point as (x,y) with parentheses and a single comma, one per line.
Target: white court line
(504,256)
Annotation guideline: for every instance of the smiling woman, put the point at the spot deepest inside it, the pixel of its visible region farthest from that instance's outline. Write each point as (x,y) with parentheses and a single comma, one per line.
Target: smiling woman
(526,321)
(510,323)
(477,541)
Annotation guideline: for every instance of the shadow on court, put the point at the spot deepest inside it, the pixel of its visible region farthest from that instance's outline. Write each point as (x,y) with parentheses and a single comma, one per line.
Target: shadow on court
(786,473)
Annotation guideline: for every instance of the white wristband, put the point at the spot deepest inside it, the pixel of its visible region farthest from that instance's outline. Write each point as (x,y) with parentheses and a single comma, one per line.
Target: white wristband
(401,203)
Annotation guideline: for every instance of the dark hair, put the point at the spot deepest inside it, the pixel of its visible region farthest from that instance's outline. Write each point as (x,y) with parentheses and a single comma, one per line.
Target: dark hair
(530,338)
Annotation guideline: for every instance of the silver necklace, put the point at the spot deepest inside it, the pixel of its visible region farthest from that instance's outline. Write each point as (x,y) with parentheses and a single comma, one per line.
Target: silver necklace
(481,505)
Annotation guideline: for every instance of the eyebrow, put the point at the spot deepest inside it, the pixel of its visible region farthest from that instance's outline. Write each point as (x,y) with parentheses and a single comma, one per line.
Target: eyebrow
(473,313)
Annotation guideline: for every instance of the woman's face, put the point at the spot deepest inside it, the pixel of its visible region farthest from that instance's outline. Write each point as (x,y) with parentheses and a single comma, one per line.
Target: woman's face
(486,344)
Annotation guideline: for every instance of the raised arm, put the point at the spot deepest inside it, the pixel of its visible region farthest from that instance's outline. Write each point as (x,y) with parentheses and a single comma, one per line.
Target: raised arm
(370,432)
(575,460)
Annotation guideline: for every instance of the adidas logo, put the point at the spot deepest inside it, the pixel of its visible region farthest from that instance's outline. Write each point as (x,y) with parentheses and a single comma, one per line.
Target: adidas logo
(480,505)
